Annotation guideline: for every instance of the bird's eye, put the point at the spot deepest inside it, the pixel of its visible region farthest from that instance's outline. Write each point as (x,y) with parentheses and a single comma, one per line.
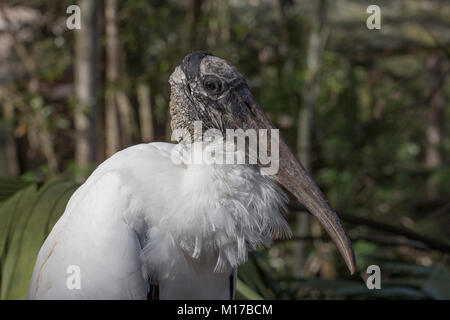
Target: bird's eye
(212,84)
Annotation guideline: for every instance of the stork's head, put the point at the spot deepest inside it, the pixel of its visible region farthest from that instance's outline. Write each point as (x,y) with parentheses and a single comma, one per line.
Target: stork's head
(206,88)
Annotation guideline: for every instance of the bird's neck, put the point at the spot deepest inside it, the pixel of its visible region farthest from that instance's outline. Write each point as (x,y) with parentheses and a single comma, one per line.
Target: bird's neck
(221,211)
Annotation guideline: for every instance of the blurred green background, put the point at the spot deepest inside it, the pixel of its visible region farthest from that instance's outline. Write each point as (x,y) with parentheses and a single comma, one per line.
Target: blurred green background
(366,110)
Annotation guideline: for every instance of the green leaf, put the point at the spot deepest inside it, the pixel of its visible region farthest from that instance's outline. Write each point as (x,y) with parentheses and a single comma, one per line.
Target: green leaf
(20,216)
(384,293)
(28,236)
(251,275)
(244,291)
(325,284)
(7,214)
(438,286)
(9,187)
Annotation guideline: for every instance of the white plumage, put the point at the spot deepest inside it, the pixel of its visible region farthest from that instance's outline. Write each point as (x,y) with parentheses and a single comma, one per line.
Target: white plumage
(140,218)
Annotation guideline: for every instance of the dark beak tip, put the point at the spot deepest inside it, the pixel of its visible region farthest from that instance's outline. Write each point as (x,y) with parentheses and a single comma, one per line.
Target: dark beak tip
(351,264)
(348,254)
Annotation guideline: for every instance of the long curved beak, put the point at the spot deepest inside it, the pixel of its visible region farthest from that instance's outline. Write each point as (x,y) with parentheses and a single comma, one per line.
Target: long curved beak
(296,180)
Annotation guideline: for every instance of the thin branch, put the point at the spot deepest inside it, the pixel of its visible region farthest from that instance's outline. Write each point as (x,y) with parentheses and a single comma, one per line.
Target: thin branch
(384,241)
(429,242)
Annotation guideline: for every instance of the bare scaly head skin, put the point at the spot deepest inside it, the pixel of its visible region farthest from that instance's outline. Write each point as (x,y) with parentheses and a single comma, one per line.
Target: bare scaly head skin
(208,89)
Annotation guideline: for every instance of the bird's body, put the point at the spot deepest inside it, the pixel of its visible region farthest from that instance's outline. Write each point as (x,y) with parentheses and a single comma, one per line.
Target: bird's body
(141,219)
(150,217)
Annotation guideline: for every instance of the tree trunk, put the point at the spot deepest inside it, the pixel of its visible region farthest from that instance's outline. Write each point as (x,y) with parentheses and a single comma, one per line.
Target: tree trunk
(12,161)
(112,143)
(317,38)
(126,118)
(193,18)
(145,113)
(435,122)
(86,112)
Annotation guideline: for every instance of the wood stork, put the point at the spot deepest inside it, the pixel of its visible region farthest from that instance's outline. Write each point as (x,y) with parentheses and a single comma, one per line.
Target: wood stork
(145,226)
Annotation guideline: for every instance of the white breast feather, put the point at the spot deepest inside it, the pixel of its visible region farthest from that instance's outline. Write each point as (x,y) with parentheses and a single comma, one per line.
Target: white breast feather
(219,214)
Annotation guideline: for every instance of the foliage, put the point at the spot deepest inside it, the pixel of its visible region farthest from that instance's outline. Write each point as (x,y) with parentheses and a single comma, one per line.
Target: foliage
(27,218)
